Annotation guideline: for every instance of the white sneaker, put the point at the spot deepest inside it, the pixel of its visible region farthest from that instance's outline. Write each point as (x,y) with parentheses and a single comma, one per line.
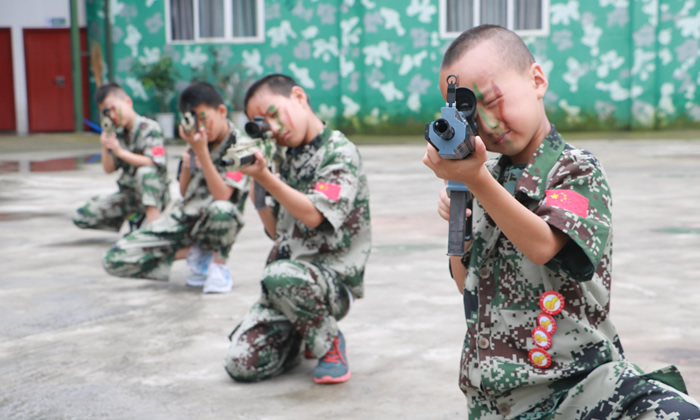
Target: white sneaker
(218,279)
(198,261)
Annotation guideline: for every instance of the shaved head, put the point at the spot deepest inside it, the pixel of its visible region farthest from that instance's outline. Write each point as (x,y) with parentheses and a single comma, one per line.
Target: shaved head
(109,89)
(509,46)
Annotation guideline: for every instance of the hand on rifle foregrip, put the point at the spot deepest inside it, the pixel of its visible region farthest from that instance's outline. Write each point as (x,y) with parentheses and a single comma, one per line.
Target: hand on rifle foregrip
(106,123)
(452,136)
(243,154)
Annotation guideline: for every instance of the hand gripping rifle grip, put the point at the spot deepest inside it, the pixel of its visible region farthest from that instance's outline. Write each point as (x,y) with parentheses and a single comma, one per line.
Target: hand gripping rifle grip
(259,199)
(460,227)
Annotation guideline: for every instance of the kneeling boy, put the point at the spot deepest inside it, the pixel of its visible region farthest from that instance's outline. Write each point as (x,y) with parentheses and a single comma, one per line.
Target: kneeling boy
(135,147)
(321,227)
(207,219)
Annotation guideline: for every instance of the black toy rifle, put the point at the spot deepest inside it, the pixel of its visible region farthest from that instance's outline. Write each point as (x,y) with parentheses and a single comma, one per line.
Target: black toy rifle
(189,126)
(243,153)
(107,125)
(453,137)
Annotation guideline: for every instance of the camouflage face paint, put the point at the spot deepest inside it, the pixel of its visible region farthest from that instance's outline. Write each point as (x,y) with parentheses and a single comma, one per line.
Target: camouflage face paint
(482,114)
(275,113)
(477,92)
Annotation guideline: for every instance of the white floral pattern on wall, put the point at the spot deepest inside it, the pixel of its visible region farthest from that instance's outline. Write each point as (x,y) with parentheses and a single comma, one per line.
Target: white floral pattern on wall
(372,66)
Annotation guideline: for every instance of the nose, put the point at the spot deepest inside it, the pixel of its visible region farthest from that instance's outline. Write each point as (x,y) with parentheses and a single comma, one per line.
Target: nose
(274,125)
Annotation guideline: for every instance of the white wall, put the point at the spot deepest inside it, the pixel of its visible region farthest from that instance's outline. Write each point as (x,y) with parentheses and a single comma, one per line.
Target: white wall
(20,14)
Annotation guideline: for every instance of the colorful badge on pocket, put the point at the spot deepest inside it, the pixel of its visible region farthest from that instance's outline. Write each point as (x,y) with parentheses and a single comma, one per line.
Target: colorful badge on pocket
(547,322)
(551,302)
(540,358)
(542,338)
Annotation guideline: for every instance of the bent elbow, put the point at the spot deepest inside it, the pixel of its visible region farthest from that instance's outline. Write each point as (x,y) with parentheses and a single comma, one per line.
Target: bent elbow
(314,220)
(541,256)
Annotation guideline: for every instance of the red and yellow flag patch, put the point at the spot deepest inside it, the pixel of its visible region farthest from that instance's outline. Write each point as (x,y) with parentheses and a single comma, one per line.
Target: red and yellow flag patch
(568,200)
(157,151)
(236,176)
(328,189)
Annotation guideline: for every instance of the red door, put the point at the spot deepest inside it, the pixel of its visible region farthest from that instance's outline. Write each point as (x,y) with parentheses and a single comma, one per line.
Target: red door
(50,79)
(7,84)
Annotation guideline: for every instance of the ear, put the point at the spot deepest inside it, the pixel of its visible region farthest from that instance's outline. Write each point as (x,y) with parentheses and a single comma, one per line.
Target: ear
(222,110)
(539,80)
(299,94)
(129,101)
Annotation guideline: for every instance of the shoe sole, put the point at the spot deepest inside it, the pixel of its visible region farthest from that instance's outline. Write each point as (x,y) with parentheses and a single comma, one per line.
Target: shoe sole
(194,284)
(332,380)
(209,290)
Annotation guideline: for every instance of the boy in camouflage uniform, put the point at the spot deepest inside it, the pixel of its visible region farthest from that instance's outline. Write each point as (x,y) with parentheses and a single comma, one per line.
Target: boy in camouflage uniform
(319,220)
(136,147)
(203,225)
(536,277)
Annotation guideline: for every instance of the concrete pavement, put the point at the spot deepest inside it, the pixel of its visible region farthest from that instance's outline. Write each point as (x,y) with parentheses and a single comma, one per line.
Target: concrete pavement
(77,343)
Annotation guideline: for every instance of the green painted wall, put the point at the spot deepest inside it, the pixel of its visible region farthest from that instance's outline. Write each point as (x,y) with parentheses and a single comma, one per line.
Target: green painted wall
(372,66)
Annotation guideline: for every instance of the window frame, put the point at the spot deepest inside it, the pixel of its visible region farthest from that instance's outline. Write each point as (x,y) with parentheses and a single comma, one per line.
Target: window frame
(228,37)
(476,10)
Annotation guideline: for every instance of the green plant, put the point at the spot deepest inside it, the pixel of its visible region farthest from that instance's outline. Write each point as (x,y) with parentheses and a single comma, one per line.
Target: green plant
(158,77)
(231,79)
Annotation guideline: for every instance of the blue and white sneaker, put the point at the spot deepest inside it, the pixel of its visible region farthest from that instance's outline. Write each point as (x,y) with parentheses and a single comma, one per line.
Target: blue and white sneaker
(333,367)
(198,261)
(218,279)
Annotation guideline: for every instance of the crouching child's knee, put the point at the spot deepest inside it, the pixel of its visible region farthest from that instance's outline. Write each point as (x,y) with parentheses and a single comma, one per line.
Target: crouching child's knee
(238,367)
(222,208)
(111,261)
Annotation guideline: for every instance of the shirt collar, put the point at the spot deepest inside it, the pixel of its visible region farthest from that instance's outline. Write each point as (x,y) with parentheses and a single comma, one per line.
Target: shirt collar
(533,180)
(312,146)
(229,140)
(135,126)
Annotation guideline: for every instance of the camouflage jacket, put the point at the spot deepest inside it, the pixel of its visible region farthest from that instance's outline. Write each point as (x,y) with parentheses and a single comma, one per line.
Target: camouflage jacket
(568,189)
(197,195)
(144,138)
(329,171)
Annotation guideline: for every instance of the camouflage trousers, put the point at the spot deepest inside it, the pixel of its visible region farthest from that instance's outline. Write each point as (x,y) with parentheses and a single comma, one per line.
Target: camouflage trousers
(109,212)
(149,252)
(625,395)
(299,308)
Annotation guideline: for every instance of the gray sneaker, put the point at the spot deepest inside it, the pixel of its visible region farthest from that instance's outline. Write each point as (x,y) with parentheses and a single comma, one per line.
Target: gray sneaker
(218,279)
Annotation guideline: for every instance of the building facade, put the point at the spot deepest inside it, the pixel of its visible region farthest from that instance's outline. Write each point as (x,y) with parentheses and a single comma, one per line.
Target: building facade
(371,66)
(36,83)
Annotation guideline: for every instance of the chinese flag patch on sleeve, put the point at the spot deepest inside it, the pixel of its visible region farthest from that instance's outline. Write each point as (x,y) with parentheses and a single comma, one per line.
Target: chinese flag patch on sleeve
(157,151)
(331,191)
(236,176)
(568,200)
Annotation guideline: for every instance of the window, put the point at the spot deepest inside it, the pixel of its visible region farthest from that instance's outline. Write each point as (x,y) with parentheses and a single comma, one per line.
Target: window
(215,20)
(526,17)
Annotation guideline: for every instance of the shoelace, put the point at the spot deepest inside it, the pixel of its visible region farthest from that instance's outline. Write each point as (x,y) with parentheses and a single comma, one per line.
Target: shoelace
(334,355)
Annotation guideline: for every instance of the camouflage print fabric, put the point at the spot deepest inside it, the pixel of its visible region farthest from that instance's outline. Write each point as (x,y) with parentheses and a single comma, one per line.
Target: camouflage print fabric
(311,274)
(614,391)
(149,252)
(568,189)
(196,219)
(329,171)
(144,138)
(197,195)
(146,188)
(299,307)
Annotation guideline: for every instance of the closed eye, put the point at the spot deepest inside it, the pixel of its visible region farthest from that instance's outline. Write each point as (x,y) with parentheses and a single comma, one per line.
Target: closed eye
(492,102)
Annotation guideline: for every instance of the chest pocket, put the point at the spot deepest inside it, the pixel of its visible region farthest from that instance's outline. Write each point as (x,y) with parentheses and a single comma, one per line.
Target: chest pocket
(514,274)
(517,327)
